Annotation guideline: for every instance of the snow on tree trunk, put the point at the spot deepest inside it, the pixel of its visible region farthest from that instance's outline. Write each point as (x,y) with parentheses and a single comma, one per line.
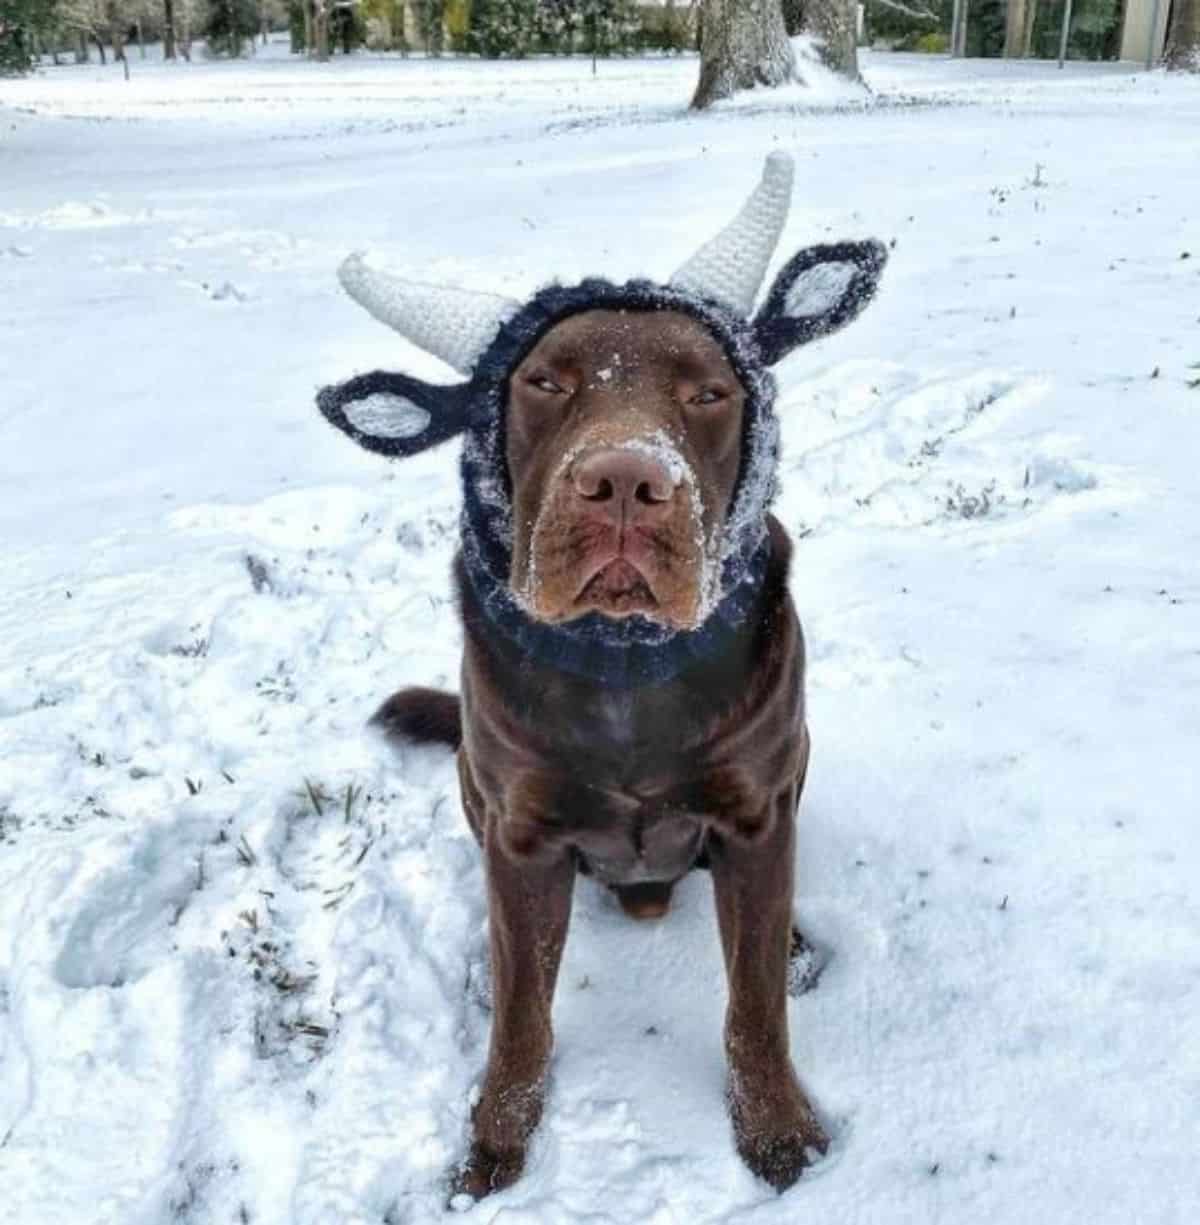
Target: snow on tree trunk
(743,44)
(1183,38)
(833,25)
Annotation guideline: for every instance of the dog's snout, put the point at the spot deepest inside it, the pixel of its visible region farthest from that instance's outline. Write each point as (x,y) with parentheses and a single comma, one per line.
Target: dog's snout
(619,480)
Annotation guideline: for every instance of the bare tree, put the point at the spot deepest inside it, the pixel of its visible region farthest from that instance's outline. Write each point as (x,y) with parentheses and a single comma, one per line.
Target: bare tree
(168,29)
(101,21)
(185,15)
(118,31)
(272,15)
(1183,38)
(743,43)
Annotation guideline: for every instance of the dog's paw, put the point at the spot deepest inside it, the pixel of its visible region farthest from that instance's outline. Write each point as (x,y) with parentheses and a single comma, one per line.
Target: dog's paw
(485,1170)
(777,1132)
(779,1158)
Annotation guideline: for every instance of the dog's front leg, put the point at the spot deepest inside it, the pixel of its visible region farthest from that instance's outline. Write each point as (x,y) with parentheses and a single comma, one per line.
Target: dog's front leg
(777,1131)
(529,905)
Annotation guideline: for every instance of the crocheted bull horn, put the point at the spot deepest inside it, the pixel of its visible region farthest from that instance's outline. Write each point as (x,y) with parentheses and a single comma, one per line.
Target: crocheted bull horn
(730,268)
(456,325)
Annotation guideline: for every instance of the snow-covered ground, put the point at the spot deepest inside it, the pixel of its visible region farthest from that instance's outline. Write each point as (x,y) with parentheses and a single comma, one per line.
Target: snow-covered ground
(242,948)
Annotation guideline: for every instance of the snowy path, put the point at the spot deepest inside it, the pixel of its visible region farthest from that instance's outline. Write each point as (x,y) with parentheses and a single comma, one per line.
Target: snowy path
(242,948)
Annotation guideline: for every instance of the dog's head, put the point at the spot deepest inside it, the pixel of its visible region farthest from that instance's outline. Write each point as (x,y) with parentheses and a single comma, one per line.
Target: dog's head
(621,441)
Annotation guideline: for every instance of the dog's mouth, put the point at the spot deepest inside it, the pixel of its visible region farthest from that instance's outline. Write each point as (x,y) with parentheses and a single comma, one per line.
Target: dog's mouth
(617,589)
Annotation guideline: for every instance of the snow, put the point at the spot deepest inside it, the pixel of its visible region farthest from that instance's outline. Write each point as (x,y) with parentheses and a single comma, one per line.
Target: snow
(242,946)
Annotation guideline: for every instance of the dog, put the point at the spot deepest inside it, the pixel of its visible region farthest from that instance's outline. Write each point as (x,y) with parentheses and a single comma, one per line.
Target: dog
(632,695)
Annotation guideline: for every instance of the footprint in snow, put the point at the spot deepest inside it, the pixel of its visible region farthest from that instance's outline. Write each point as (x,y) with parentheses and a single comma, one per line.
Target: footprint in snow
(876,442)
(121,921)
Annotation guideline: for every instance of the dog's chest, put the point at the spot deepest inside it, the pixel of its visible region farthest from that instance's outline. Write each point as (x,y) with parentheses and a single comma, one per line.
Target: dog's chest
(630,832)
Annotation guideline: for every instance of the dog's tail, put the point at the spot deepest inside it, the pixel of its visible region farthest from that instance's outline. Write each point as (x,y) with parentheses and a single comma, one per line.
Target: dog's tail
(421,716)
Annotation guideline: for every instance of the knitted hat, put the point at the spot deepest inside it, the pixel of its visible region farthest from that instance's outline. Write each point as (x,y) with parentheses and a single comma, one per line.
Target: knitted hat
(486,337)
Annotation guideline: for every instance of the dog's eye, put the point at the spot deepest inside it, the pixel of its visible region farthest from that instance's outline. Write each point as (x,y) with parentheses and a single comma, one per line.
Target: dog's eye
(710,395)
(543,382)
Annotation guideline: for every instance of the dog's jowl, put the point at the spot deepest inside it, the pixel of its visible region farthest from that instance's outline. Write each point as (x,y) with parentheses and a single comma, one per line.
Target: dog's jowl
(632,701)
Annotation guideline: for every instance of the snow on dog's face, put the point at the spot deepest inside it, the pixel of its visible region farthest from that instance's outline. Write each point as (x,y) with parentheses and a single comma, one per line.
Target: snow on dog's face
(623,443)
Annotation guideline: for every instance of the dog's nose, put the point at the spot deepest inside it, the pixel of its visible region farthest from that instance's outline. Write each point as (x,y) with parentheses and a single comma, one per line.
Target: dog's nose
(623,482)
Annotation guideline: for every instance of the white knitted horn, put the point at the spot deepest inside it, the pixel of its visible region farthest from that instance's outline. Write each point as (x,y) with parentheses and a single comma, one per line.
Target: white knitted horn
(456,325)
(731,267)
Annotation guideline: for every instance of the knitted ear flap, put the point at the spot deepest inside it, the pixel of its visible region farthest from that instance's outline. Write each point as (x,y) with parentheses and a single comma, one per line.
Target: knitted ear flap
(395,414)
(819,290)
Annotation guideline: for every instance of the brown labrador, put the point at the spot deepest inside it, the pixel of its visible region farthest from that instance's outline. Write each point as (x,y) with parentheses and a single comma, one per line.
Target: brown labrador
(562,775)
(633,675)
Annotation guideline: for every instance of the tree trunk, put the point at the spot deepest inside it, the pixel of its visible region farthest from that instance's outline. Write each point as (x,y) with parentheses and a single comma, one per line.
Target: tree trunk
(958,29)
(833,25)
(309,43)
(1031,12)
(100,48)
(437,29)
(1014,29)
(1182,53)
(744,44)
(321,28)
(118,46)
(168,29)
(82,54)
